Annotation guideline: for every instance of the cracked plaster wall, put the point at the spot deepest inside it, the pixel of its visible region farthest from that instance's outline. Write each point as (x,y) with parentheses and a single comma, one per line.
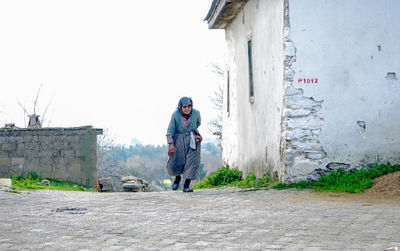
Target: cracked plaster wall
(341,69)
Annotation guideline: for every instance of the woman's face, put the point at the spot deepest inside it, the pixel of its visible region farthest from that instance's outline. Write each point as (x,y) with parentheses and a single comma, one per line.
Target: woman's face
(187,109)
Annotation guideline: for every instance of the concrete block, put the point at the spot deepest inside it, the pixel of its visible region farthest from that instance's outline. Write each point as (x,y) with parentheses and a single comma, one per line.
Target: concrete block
(20,147)
(44,133)
(76,139)
(68,154)
(4,171)
(77,180)
(16,154)
(75,173)
(17,161)
(16,139)
(31,166)
(45,162)
(31,146)
(35,139)
(43,147)
(46,171)
(61,172)
(61,145)
(45,154)
(74,161)
(27,138)
(30,154)
(9,147)
(16,170)
(5,161)
(60,161)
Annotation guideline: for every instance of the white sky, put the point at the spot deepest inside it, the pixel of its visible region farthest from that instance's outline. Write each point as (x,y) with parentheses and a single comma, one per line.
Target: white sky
(114,64)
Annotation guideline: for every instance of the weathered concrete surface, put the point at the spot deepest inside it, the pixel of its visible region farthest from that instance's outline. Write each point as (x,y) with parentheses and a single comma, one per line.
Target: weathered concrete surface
(225,219)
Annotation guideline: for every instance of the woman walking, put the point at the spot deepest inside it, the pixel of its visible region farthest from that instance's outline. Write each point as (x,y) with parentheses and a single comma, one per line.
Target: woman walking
(184,142)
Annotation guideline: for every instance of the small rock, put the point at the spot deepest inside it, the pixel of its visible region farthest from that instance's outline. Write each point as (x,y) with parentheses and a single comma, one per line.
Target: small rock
(134,184)
(5,183)
(368,166)
(336,165)
(128,178)
(352,170)
(131,185)
(46,182)
(106,184)
(317,173)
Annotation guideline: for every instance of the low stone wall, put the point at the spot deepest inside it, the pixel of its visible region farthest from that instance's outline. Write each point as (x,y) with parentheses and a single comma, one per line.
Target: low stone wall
(68,154)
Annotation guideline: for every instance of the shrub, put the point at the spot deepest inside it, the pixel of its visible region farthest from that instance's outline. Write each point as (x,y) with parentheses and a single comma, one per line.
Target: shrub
(34,181)
(299,185)
(225,176)
(251,181)
(340,181)
(222,177)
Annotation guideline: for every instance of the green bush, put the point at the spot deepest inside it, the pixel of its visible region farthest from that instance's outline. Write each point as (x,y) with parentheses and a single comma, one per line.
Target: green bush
(299,185)
(225,176)
(222,177)
(340,181)
(337,181)
(251,181)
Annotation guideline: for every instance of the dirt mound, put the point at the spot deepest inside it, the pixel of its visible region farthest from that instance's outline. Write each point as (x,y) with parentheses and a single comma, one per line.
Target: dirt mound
(387,185)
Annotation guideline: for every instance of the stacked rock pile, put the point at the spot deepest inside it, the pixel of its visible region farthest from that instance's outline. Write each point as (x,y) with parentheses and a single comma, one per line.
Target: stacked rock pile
(134,184)
(106,185)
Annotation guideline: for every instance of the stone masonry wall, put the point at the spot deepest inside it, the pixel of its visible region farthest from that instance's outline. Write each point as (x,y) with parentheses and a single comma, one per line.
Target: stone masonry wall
(301,150)
(68,154)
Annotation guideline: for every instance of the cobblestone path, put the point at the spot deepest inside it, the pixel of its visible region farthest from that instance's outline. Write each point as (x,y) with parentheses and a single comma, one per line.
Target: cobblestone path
(217,219)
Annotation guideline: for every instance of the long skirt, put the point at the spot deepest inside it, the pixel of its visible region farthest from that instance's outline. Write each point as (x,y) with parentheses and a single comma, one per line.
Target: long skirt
(185,161)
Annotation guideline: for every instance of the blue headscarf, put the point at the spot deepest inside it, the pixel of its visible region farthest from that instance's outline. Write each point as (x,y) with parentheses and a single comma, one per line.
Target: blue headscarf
(185,101)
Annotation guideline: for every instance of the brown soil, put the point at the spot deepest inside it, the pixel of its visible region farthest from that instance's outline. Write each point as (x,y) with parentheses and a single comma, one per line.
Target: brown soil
(387,185)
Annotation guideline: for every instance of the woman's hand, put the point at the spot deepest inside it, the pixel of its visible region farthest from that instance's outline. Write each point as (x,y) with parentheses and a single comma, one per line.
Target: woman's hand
(171,149)
(198,138)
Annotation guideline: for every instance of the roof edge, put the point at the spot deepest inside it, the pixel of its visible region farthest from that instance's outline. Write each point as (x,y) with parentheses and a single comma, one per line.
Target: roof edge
(222,12)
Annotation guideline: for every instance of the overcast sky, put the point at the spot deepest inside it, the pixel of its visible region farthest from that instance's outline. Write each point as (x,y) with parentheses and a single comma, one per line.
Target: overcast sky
(114,64)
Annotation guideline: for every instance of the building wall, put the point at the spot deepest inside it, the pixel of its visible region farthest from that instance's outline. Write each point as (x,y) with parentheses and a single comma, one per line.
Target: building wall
(68,154)
(342,97)
(252,131)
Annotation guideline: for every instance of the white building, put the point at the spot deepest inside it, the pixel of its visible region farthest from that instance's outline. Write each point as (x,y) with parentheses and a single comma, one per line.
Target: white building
(309,83)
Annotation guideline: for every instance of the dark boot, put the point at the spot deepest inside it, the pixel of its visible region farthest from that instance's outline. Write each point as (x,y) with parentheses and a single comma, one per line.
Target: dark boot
(175,185)
(186,188)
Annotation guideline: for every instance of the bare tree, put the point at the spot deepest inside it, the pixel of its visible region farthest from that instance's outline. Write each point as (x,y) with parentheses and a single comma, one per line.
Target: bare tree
(109,166)
(215,125)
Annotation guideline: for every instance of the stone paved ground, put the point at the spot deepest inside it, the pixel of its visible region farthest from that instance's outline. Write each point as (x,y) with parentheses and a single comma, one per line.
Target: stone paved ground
(217,219)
